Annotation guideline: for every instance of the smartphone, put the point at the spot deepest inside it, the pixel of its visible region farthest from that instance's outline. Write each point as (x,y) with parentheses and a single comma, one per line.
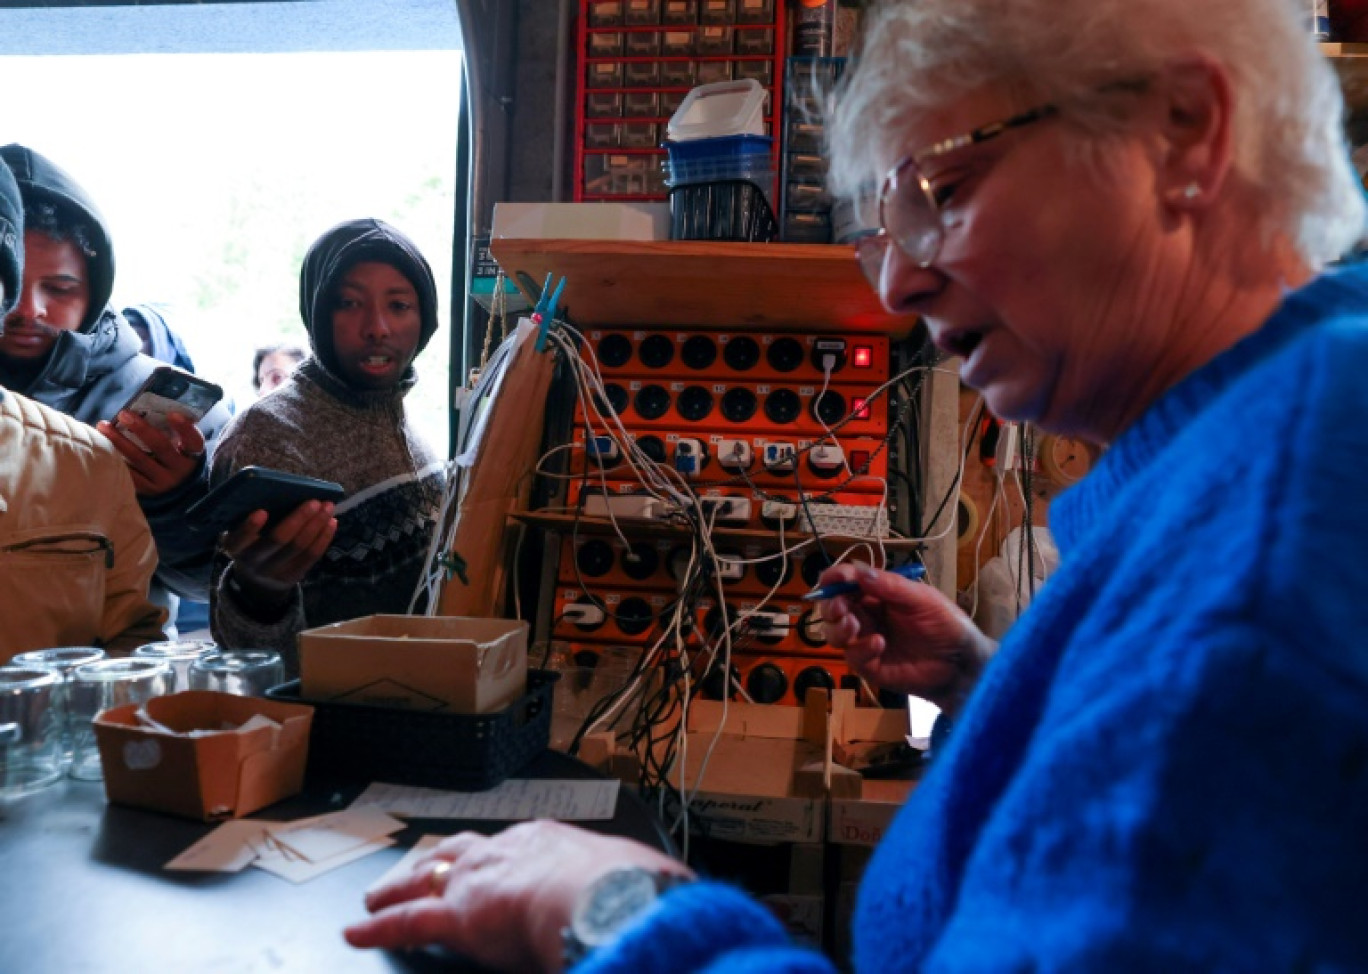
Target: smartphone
(257,489)
(170,390)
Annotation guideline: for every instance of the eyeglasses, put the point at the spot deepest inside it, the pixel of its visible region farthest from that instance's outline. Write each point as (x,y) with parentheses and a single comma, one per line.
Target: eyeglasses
(909,216)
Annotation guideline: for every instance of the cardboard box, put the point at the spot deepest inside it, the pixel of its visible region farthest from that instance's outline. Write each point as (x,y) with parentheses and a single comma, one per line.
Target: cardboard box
(751,789)
(438,664)
(209,775)
(861,816)
(863,821)
(582,221)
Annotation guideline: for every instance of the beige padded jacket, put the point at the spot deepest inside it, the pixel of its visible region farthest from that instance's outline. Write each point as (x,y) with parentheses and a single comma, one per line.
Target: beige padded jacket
(76,555)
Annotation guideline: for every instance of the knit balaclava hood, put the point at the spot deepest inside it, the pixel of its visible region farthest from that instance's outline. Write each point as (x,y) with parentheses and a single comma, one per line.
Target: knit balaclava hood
(336,252)
(42,181)
(11,241)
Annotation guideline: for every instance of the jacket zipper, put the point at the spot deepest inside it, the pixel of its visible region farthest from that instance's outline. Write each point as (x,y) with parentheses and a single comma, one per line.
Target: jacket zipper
(98,541)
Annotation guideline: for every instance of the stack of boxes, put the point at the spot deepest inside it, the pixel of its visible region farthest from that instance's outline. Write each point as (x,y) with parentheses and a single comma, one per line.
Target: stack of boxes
(805,207)
(641,58)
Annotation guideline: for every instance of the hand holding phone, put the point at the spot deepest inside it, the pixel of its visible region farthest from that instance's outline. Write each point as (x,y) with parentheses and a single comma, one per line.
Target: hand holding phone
(258,489)
(168,390)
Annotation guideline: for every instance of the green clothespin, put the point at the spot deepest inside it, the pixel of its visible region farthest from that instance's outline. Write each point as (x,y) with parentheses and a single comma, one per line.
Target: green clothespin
(453,564)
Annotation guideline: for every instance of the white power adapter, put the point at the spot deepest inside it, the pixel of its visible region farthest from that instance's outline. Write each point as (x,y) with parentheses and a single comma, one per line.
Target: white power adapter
(770,625)
(584,614)
(779,511)
(1005,459)
(828,456)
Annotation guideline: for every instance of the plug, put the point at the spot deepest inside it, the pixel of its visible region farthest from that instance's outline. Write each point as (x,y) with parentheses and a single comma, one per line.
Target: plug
(728,569)
(769,626)
(780,457)
(1005,457)
(586,615)
(734,454)
(603,448)
(826,457)
(726,510)
(690,456)
(774,513)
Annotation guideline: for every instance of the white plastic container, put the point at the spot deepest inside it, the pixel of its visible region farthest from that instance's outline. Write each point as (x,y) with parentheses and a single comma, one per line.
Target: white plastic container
(718,109)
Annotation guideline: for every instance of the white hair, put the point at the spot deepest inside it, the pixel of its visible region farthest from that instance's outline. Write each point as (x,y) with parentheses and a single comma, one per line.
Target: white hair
(1287,131)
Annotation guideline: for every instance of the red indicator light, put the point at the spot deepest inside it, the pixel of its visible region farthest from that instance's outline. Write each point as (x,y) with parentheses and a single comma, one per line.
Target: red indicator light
(862,357)
(859,461)
(860,408)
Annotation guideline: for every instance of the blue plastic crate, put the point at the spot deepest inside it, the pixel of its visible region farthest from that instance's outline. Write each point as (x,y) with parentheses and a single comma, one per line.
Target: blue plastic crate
(727,157)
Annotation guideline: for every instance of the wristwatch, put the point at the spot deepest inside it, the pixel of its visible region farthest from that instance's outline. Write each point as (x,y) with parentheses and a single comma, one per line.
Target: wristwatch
(607,905)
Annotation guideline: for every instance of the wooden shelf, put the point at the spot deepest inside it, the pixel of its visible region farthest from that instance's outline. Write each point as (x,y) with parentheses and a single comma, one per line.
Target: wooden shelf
(565,523)
(703,284)
(1350,62)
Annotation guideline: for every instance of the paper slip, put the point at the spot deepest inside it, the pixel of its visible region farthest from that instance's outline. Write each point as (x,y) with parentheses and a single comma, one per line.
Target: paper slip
(230,848)
(330,835)
(405,865)
(298,850)
(514,800)
(302,870)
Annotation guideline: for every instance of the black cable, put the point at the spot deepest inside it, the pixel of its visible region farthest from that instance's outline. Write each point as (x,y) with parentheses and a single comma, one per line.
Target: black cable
(812,522)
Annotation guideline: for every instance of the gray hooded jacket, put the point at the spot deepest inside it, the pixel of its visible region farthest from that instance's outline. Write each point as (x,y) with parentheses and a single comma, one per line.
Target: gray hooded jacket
(91,373)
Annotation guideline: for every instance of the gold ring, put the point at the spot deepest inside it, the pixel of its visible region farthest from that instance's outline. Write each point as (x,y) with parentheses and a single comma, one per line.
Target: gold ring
(437,877)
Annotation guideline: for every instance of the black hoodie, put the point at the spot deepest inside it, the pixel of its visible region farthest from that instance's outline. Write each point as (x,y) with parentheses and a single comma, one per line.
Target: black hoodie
(336,252)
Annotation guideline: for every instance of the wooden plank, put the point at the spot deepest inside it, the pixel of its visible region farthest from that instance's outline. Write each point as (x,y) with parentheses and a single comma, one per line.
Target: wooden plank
(566,523)
(704,284)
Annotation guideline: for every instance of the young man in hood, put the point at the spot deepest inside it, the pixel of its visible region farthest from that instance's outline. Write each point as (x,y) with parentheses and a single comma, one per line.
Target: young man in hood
(76,556)
(369,304)
(65,347)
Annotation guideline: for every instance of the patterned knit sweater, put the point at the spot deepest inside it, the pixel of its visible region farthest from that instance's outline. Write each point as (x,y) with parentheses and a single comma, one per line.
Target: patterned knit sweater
(317,426)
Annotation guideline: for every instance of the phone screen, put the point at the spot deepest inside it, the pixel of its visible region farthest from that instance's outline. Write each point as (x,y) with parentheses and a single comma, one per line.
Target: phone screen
(153,407)
(168,391)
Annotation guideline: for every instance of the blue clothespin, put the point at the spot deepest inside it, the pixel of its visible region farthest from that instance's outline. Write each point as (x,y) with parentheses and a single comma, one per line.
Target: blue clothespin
(545,311)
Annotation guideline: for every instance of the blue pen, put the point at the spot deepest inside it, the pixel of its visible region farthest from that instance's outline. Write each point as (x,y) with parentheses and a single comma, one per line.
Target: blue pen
(913,570)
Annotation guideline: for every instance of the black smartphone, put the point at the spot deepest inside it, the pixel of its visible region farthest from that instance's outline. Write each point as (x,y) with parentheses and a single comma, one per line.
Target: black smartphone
(170,390)
(257,489)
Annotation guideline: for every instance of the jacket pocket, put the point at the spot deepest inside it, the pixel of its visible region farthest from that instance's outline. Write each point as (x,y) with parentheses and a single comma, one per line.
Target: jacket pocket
(52,588)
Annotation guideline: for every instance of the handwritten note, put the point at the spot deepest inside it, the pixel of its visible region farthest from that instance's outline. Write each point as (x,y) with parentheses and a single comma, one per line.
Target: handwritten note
(514,800)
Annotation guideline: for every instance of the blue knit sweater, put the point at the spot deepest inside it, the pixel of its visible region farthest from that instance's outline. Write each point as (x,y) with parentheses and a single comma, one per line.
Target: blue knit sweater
(1166,766)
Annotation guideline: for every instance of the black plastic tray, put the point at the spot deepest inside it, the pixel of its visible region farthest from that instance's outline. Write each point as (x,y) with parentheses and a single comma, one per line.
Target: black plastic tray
(463,752)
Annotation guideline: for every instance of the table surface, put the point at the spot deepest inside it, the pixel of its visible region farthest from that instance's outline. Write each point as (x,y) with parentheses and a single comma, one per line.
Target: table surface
(83,888)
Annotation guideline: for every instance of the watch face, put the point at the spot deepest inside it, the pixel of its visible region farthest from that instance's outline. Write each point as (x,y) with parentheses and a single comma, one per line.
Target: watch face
(614,899)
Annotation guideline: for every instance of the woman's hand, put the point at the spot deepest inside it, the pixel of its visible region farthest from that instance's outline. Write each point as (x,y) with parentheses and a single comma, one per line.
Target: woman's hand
(267,565)
(504,899)
(905,636)
(167,462)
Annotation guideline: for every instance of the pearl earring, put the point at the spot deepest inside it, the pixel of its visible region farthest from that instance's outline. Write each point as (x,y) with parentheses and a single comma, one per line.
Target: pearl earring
(1191,191)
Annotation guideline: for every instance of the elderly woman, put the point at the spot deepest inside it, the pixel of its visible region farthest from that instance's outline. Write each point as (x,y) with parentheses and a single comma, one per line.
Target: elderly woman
(1119,215)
